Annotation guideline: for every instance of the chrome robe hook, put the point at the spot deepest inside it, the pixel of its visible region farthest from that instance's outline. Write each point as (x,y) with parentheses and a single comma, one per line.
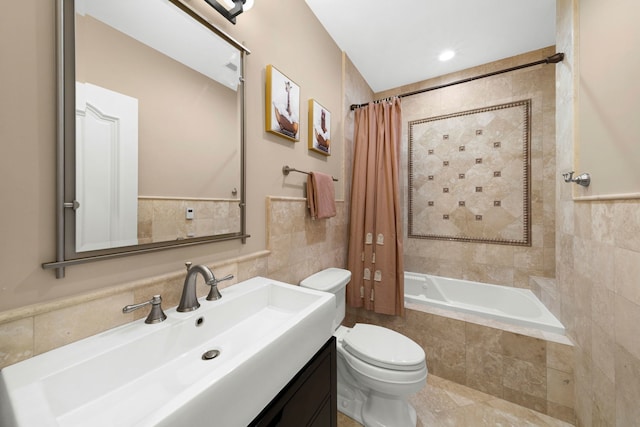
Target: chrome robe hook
(583,179)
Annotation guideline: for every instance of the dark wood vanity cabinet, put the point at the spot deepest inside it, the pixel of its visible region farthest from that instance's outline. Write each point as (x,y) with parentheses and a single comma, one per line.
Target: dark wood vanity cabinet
(310,398)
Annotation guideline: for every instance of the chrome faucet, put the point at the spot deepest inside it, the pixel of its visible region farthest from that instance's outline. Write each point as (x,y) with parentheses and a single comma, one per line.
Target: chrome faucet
(189,299)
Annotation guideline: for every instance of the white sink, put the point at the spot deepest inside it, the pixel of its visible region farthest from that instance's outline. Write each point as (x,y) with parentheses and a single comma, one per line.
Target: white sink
(154,375)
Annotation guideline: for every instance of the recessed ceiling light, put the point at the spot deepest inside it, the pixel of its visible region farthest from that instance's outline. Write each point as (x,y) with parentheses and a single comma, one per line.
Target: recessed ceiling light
(446,55)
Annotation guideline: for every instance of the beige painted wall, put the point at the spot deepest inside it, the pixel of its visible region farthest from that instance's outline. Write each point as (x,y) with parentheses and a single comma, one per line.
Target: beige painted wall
(298,47)
(607,142)
(598,243)
(189,126)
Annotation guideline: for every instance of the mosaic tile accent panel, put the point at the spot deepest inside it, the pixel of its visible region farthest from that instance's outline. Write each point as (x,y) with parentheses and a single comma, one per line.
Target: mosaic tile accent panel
(478,156)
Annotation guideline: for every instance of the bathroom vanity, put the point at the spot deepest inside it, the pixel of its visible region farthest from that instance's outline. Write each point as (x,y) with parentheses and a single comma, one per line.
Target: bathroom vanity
(221,364)
(310,397)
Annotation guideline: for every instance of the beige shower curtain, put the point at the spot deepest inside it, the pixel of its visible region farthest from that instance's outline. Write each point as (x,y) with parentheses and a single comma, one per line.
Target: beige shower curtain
(375,237)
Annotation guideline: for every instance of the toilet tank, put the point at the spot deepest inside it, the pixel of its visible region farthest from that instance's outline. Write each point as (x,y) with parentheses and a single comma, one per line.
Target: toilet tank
(332,280)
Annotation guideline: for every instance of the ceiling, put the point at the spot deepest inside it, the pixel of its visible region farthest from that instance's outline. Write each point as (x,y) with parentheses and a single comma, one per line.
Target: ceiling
(396,43)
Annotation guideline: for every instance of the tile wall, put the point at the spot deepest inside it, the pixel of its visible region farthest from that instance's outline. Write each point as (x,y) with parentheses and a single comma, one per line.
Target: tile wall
(598,265)
(493,263)
(298,247)
(31,330)
(468,175)
(163,219)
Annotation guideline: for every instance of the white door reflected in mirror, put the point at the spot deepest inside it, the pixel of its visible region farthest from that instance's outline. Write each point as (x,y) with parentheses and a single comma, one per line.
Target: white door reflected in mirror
(106,168)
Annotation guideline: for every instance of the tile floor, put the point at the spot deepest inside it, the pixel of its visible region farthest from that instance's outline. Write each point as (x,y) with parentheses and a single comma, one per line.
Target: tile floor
(443,403)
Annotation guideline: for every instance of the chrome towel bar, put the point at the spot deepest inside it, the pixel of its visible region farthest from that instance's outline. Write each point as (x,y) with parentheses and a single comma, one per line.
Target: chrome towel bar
(287,169)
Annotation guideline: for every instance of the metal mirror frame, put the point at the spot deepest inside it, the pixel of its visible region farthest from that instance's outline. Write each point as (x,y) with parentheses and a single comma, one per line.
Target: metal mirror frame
(66,254)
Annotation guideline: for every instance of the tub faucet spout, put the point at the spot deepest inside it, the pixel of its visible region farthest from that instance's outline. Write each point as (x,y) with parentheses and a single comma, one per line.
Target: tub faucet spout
(189,299)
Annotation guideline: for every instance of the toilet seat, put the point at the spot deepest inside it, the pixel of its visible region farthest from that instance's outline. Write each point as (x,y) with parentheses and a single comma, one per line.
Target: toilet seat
(383,348)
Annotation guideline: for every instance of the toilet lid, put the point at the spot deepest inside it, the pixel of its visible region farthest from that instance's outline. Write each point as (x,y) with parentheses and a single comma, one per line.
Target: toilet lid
(383,347)
(328,280)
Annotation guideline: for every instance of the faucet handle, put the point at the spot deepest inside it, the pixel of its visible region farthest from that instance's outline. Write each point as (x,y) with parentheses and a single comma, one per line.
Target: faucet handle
(227,277)
(214,293)
(156,315)
(188,265)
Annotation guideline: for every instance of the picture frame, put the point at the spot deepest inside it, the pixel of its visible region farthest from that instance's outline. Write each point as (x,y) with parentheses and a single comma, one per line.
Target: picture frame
(319,128)
(282,105)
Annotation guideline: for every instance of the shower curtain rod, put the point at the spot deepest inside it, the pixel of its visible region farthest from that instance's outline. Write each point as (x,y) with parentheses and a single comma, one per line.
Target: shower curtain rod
(553,59)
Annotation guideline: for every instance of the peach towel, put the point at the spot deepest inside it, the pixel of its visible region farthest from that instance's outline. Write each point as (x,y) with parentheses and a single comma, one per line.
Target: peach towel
(321,195)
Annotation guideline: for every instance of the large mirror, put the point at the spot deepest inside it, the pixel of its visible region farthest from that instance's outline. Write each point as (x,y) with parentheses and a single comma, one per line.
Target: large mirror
(152,136)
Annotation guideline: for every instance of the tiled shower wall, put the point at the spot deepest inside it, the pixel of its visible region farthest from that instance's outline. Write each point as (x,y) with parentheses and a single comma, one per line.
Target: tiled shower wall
(484,262)
(468,175)
(598,266)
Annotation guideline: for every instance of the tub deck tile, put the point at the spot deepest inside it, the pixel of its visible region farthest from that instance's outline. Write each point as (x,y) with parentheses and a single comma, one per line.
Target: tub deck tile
(505,363)
(478,320)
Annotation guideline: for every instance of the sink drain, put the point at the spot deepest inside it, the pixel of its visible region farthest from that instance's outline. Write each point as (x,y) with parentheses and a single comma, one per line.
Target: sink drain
(211,354)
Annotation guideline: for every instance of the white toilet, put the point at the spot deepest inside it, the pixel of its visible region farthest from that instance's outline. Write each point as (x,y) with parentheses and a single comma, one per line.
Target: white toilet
(377,368)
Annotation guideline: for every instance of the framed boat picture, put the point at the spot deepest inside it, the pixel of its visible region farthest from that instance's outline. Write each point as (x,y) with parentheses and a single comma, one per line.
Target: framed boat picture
(282,106)
(319,128)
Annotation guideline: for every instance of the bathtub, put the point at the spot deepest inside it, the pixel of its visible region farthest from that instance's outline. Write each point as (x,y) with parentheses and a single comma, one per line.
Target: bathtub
(519,307)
